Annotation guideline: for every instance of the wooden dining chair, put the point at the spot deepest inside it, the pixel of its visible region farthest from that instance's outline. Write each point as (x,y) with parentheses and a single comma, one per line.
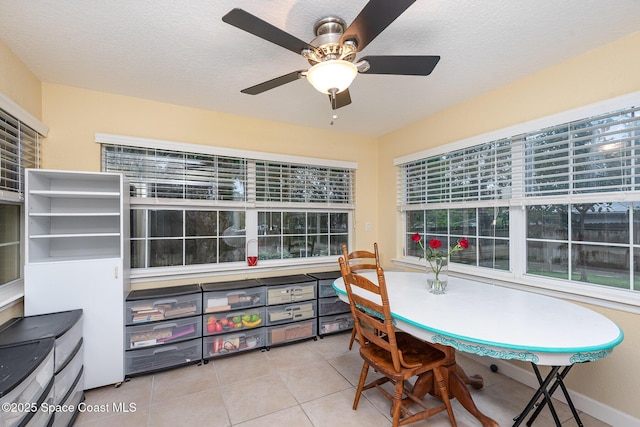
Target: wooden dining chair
(396,355)
(358,261)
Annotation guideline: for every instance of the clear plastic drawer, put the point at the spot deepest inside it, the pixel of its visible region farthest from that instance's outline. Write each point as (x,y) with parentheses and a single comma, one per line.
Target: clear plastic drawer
(233,321)
(163,308)
(163,357)
(21,382)
(332,306)
(64,380)
(335,323)
(235,295)
(74,397)
(290,312)
(166,332)
(325,282)
(220,345)
(291,332)
(41,417)
(66,345)
(291,293)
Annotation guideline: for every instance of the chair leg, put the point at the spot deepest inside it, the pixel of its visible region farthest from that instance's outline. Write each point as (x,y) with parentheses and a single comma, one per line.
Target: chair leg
(397,402)
(353,337)
(363,378)
(444,394)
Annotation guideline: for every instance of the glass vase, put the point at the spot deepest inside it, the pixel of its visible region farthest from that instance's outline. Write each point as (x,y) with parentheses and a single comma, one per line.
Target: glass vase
(437,275)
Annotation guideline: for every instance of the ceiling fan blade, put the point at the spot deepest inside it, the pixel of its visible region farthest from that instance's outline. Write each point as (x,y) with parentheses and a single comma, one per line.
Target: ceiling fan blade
(256,26)
(403,65)
(373,19)
(273,83)
(342,99)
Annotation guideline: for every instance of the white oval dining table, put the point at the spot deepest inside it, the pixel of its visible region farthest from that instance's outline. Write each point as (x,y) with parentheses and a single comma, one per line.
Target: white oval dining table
(499,322)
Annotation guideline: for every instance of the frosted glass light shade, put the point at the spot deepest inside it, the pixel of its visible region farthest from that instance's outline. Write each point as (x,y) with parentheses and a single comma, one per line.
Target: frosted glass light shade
(333,74)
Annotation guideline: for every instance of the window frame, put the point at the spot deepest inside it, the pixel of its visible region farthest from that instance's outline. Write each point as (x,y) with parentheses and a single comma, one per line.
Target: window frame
(251,206)
(516,277)
(13,290)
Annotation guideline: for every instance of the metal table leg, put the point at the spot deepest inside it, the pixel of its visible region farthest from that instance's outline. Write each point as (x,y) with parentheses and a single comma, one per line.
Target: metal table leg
(558,382)
(546,391)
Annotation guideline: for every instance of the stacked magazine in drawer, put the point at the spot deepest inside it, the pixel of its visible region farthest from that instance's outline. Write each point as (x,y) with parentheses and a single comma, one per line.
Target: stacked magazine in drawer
(291,308)
(164,328)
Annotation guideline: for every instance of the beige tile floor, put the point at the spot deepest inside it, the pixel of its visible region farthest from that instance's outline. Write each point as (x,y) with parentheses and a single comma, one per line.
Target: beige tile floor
(310,383)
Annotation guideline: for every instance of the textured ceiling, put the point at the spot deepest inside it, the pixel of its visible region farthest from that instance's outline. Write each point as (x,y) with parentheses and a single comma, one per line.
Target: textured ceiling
(180,51)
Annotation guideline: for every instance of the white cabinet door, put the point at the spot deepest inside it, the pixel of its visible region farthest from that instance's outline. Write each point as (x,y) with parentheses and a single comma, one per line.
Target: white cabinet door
(98,288)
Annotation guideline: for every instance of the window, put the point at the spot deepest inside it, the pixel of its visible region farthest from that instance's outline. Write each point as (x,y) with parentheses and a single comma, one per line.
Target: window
(291,234)
(9,243)
(588,167)
(19,149)
(179,237)
(200,207)
(462,193)
(560,203)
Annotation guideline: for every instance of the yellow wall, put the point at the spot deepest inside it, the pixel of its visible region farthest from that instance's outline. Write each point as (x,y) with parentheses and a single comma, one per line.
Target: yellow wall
(18,83)
(610,71)
(75,115)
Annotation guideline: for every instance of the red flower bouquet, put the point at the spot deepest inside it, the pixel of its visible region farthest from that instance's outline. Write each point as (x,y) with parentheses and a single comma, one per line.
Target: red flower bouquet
(434,256)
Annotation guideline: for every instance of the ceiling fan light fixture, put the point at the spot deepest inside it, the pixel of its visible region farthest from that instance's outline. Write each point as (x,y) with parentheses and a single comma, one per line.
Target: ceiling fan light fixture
(333,75)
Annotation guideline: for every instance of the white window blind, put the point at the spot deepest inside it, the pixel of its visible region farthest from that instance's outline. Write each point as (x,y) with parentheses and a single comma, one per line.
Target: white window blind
(19,149)
(481,172)
(278,182)
(158,173)
(593,155)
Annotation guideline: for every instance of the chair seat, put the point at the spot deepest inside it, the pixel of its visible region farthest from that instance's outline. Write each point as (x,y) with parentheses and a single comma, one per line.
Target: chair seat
(414,352)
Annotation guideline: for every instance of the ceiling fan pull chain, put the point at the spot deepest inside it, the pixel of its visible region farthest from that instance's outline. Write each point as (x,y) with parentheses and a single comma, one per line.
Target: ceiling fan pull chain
(334,115)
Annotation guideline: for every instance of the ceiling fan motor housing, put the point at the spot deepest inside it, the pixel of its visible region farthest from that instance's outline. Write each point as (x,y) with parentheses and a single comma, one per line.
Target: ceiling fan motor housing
(327,42)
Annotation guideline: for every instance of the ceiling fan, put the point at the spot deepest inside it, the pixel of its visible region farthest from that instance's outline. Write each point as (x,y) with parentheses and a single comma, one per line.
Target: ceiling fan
(332,54)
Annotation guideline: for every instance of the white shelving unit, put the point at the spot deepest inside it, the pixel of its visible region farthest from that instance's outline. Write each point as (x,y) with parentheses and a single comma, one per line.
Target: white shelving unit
(77,251)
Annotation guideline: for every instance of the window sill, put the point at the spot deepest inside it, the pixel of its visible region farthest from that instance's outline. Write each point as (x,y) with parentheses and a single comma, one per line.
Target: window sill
(229,269)
(11,293)
(602,296)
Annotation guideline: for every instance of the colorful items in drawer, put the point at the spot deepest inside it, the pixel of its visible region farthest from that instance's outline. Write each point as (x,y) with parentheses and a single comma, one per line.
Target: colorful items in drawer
(161,335)
(226,324)
(230,344)
(153,312)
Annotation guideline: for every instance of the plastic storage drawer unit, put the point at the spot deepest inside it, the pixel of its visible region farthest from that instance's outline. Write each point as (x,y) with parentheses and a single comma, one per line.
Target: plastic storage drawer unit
(169,331)
(220,345)
(287,289)
(26,378)
(157,358)
(232,295)
(151,305)
(64,326)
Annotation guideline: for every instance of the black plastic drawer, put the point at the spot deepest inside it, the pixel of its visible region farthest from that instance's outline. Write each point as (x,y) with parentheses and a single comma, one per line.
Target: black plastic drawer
(332,306)
(163,357)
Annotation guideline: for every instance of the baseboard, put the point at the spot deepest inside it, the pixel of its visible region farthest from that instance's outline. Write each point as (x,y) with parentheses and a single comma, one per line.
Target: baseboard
(583,403)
